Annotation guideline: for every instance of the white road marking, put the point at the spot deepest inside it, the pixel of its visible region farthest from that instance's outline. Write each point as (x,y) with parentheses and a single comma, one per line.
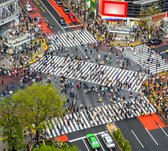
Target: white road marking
(74,140)
(51,15)
(163,131)
(100,144)
(75,26)
(85,144)
(137,138)
(151,136)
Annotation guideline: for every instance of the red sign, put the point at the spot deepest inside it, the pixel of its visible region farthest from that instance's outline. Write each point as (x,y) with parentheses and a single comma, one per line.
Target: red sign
(158,17)
(114,8)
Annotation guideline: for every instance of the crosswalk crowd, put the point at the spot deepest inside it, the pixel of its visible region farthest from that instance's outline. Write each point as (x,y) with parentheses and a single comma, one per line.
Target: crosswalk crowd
(80,116)
(90,72)
(146,58)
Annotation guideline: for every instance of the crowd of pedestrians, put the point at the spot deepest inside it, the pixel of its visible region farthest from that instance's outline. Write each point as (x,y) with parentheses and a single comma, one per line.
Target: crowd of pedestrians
(159,93)
(20,56)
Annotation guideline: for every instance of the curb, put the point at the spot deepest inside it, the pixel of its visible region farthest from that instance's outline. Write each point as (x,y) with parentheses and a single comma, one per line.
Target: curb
(121,44)
(111,133)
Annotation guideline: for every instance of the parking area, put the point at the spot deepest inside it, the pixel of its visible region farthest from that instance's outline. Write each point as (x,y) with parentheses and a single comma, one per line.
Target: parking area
(84,145)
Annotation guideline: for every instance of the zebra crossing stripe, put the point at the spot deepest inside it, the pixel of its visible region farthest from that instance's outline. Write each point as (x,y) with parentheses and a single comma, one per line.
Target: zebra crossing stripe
(71,39)
(99,116)
(141,55)
(89,72)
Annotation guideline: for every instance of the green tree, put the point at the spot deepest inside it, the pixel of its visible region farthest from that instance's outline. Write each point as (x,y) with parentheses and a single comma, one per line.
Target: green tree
(53,148)
(117,133)
(121,140)
(146,22)
(36,104)
(11,129)
(127,148)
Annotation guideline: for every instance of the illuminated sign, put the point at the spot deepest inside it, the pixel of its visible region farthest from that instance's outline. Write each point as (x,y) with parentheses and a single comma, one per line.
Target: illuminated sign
(113,8)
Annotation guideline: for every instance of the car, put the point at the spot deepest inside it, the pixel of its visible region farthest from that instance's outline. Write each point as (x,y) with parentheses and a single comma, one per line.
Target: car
(72,17)
(154,42)
(93,142)
(28,7)
(59,2)
(62,21)
(38,19)
(66,10)
(108,141)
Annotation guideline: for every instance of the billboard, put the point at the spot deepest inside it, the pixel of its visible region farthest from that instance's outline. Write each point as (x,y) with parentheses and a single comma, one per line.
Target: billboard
(113,8)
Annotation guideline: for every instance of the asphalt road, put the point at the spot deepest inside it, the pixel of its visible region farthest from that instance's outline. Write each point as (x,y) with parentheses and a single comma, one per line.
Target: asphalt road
(51,15)
(133,130)
(79,139)
(161,50)
(128,127)
(89,99)
(159,142)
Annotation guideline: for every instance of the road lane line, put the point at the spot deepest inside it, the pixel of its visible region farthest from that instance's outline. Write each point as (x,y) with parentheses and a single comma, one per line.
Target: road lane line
(73,26)
(51,15)
(57,12)
(74,140)
(137,139)
(100,143)
(151,136)
(85,144)
(163,131)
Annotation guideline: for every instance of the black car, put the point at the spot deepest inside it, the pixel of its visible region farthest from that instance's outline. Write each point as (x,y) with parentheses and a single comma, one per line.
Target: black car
(62,21)
(59,2)
(154,42)
(66,10)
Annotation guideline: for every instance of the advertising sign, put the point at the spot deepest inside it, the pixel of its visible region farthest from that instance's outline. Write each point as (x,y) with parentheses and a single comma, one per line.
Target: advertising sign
(113,8)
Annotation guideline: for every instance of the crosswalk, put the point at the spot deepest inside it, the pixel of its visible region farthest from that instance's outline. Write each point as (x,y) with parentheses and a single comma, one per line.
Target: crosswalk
(141,56)
(71,39)
(87,118)
(90,72)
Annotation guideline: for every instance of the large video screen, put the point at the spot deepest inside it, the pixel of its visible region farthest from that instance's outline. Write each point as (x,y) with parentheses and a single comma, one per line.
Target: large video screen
(113,8)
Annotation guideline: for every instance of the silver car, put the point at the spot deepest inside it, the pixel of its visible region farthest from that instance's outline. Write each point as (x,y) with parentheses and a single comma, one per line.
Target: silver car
(108,140)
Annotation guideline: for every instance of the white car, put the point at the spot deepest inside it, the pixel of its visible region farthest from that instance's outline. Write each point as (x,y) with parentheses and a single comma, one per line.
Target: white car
(108,140)
(28,7)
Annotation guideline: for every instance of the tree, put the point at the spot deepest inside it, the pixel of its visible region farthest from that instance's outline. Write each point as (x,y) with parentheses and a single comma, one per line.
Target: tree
(12,131)
(37,104)
(127,146)
(146,22)
(53,148)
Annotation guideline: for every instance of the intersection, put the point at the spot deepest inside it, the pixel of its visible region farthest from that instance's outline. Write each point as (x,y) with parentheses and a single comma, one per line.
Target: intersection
(102,83)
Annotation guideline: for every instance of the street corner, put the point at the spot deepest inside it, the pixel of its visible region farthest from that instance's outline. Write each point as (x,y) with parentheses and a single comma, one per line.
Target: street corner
(62,138)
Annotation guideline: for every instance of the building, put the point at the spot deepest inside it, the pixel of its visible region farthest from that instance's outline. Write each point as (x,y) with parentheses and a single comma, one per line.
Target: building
(135,7)
(9,11)
(129,10)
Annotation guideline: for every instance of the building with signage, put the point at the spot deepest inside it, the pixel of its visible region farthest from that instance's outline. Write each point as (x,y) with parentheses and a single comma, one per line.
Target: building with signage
(128,11)
(9,11)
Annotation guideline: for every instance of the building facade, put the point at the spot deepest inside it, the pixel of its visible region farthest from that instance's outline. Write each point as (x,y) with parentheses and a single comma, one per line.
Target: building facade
(9,11)
(134,7)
